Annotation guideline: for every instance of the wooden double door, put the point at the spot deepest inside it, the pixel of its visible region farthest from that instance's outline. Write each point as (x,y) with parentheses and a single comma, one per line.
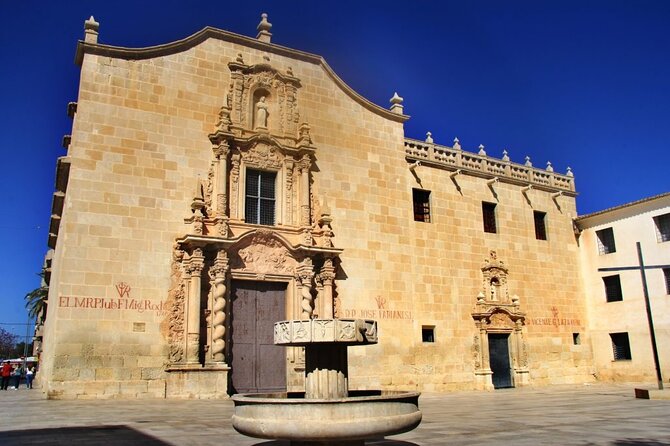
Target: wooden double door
(257,365)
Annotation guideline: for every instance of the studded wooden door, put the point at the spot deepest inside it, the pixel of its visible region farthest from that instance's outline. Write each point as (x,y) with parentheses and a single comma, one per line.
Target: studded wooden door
(257,365)
(499,360)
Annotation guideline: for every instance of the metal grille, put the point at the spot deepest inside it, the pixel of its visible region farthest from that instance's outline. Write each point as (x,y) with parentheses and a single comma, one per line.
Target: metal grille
(260,197)
(489,216)
(613,288)
(620,346)
(666,273)
(540,227)
(421,200)
(606,243)
(662,227)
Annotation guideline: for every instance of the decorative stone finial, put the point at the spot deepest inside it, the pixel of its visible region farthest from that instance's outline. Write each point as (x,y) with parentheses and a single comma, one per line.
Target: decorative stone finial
(482,152)
(528,163)
(91,28)
(457,144)
(396,104)
(289,71)
(480,297)
(550,168)
(239,58)
(264,34)
(429,137)
(505,156)
(569,173)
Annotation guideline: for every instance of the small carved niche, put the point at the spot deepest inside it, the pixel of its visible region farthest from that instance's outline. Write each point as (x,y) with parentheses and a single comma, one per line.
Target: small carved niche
(260,110)
(494,275)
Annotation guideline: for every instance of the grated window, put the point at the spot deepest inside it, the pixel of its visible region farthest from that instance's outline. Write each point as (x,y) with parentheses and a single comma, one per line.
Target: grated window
(421,199)
(606,243)
(540,226)
(489,217)
(620,346)
(613,291)
(260,197)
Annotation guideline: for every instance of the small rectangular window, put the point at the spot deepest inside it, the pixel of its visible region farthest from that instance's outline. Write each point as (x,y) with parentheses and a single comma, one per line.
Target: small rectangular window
(576,339)
(662,227)
(427,334)
(489,217)
(613,288)
(260,197)
(540,226)
(620,346)
(421,200)
(605,241)
(666,274)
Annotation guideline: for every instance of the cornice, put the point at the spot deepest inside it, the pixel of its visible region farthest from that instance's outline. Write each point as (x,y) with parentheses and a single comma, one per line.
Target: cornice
(226,36)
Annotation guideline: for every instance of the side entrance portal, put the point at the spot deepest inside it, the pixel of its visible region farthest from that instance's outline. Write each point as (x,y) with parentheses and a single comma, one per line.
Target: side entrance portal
(257,365)
(499,360)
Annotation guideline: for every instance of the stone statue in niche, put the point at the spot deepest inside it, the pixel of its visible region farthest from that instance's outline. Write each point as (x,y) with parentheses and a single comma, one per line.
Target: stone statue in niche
(261,114)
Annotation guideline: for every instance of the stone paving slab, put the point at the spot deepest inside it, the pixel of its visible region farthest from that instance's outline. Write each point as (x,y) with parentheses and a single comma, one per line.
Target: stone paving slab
(607,415)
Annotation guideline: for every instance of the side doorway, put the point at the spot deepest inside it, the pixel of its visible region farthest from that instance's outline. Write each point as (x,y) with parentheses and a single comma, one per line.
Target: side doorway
(257,365)
(499,359)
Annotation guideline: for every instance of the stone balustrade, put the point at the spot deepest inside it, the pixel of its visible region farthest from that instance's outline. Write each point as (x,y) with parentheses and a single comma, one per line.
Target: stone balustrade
(454,158)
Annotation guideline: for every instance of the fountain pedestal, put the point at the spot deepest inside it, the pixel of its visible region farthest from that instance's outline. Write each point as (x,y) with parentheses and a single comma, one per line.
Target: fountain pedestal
(328,414)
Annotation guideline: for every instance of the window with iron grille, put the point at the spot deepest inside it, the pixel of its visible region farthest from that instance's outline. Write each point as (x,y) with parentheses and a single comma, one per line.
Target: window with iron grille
(662,227)
(489,216)
(540,226)
(421,199)
(605,241)
(260,197)
(666,273)
(620,346)
(613,288)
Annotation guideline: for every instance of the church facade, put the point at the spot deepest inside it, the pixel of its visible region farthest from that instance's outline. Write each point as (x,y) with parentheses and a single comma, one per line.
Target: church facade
(217,184)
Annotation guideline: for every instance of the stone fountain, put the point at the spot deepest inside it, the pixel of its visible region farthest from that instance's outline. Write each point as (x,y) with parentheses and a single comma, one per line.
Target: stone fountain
(328,413)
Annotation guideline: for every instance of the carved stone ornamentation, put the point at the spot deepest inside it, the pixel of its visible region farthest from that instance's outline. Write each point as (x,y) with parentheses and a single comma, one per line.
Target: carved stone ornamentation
(264,254)
(501,320)
(263,156)
(175,317)
(254,88)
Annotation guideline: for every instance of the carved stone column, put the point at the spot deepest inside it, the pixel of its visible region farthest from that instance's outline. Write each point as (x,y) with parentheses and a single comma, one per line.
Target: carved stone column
(484,337)
(235,185)
(220,270)
(194,267)
(305,273)
(304,191)
(327,277)
(288,209)
(221,153)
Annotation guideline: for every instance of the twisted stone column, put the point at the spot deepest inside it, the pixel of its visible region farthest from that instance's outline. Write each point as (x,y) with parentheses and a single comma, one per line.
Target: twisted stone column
(219,307)
(304,277)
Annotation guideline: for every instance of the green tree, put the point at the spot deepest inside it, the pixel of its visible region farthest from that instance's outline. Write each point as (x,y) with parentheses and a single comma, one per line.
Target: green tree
(36,300)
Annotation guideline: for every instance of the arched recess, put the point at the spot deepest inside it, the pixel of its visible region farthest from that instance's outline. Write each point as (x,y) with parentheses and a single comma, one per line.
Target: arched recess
(496,314)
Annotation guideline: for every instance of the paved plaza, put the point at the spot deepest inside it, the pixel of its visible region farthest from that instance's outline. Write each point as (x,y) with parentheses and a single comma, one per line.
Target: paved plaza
(574,415)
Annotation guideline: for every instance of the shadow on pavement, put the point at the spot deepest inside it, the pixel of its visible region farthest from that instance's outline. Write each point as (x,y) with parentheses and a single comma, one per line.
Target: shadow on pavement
(639,442)
(380,442)
(80,436)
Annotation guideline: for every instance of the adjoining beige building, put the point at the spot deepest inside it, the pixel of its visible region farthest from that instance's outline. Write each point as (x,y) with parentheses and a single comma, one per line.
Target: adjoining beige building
(618,324)
(219,183)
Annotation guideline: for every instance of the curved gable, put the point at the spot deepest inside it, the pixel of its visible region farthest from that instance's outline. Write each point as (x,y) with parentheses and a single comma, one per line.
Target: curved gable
(215,33)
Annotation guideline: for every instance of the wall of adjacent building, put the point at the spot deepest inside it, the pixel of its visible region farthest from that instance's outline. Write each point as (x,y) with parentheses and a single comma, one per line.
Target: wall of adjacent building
(630,225)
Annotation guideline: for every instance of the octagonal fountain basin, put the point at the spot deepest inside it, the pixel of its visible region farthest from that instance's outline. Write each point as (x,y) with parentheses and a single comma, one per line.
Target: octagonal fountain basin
(362,415)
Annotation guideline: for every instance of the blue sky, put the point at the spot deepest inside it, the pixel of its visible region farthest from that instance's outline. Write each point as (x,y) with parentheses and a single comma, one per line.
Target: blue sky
(584,84)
